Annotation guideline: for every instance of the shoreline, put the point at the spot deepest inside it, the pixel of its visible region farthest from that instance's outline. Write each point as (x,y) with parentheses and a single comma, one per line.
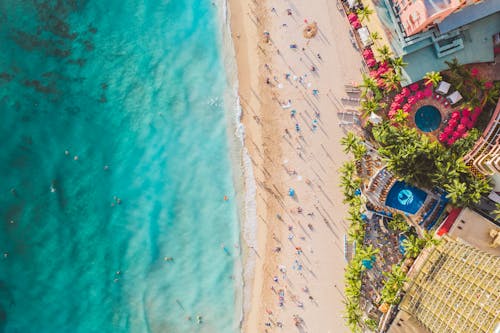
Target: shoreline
(302,160)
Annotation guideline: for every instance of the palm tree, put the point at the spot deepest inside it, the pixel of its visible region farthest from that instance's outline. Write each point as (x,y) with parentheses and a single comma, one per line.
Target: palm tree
(453,65)
(429,239)
(364,13)
(375,36)
(349,142)
(496,212)
(400,117)
(398,223)
(369,85)
(367,252)
(413,245)
(433,77)
(347,169)
(359,151)
(398,64)
(475,190)
(392,81)
(369,106)
(455,190)
(385,53)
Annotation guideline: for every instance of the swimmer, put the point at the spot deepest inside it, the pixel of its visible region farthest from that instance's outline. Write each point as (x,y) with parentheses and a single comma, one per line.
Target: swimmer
(75,158)
(199,319)
(66,152)
(226,198)
(106,167)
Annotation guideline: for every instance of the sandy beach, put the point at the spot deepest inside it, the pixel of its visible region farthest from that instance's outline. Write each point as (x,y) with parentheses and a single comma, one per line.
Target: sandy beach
(290,89)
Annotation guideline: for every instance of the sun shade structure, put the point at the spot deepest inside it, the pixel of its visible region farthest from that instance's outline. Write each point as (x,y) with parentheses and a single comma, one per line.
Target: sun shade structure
(456,290)
(443,88)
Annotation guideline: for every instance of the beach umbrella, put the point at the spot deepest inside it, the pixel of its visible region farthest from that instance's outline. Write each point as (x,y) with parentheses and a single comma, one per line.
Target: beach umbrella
(407,107)
(443,137)
(455,135)
(368,53)
(419,95)
(381,70)
(428,92)
(414,87)
(291,192)
(474,71)
(452,123)
(398,98)
(373,74)
(405,92)
(392,113)
(461,128)
(412,100)
(451,141)
(488,85)
(395,106)
(356,24)
(380,82)
(352,17)
(465,112)
(455,115)
(464,120)
(447,131)
(371,62)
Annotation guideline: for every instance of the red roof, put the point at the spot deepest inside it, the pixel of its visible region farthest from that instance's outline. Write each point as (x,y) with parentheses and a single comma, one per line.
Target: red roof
(448,223)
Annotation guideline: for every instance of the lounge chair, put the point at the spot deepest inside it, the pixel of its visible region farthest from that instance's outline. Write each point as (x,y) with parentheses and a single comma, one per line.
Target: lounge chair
(454,97)
(443,88)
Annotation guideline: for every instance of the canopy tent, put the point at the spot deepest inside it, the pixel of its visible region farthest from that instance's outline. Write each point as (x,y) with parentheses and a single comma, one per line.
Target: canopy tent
(443,88)
(454,97)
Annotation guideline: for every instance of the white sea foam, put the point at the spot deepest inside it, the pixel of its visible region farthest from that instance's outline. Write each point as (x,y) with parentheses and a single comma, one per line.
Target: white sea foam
(242,165)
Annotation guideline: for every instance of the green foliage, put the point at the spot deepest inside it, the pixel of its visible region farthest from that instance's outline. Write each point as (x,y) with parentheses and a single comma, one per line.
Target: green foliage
(395,280)
(364,13)
(416,159)
(371,323)
(398,223)
(413,245)
(433,77)
(496,212)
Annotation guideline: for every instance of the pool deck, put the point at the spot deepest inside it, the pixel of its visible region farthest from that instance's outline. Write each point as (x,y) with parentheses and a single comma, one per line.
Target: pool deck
(444,110)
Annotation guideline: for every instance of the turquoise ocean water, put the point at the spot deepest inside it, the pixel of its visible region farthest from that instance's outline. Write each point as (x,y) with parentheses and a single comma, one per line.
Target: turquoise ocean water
(140,87)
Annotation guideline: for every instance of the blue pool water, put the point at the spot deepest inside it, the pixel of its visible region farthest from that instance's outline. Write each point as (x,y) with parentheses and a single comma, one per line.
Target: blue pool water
(428,118)
(138,86)
(405,197)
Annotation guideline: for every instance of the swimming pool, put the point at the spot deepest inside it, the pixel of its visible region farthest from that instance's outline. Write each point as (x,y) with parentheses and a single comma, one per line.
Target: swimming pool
(405,197)
(428,118)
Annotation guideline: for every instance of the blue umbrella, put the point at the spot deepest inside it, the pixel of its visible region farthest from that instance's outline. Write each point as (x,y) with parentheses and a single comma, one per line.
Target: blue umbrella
(291,192)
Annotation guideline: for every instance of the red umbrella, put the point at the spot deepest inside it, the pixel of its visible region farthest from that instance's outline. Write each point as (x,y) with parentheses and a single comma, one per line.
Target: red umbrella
(488,85)
(392,113)
(451,141)
(352,17)
(465,112)
(461,128)
(453,122)
(414,87)
(407,107)
(371,62)
(356,24)
(412,100)
(428,92)
(448,130)
(380,83)
(381,70)
(443,137)
(419,95)
(469,124)
(456,135)
(474,71)
(455,115)
(368,53)
(373,74)
(405,92)
(398,98)
(395,105)
(384,64)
